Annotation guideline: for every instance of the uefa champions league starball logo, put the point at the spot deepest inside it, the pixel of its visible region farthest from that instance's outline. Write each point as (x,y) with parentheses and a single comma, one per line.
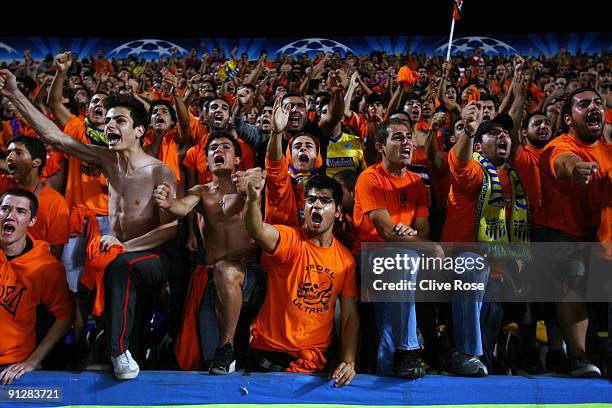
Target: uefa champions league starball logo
(7,52)
(489,46)
(147,48)
(312,46)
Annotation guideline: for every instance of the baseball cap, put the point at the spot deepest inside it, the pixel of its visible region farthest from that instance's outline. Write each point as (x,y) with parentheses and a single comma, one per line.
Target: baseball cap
(502,119)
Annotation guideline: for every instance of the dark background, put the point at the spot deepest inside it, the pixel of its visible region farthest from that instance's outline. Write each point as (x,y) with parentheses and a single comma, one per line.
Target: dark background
(227,18)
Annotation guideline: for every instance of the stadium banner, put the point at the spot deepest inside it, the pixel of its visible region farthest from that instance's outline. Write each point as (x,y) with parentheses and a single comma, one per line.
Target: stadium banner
(156,48)
(244,390)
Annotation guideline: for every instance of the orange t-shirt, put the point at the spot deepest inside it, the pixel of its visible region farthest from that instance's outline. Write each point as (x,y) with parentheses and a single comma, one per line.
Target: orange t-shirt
(604,233)
(168,150)
(199,132)
(304,280)
(32,279)
(284,200)
(404,197)
(53,165)
(575,210)
(53,217)
(466,182)
(527,165)
(103,65)
(85,185)
(195,159)
(496,89)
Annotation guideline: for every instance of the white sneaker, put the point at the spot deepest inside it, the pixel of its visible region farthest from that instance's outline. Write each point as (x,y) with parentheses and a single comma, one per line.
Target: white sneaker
(125,367)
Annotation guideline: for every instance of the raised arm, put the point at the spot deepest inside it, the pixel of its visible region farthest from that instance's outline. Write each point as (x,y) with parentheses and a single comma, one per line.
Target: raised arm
(164,196)
(335,87)
(45,128)
(265,235)
(63,62)
(280,118)
(516,112)
(254,74)
(431,144)
(348,97)
(471,115)
(574,168)
(448,104)
(38,100)
(182,114)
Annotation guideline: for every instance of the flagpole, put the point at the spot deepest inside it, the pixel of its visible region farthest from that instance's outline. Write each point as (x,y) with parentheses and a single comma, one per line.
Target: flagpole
(450,39)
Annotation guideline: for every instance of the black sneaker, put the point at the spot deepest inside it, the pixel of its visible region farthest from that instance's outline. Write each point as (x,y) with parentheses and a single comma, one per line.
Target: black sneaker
(225,361)
(609,365)
(407,365)
(581,367)
(557,362)
(529,362)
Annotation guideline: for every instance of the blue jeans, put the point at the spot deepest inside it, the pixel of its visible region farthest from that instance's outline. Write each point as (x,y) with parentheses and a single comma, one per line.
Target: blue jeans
(396,323)
(466,314)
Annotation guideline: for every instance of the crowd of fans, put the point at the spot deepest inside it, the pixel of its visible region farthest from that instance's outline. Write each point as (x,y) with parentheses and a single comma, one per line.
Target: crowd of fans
(205,211)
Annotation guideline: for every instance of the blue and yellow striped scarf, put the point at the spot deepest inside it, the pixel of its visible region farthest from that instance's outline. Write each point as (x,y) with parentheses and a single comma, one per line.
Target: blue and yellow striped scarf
(491,209)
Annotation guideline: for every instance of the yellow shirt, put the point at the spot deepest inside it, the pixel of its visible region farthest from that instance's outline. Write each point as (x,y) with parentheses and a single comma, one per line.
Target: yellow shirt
(345,152)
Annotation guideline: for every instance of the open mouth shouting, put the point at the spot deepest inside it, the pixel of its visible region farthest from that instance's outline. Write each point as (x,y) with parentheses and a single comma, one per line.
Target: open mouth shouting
(594,120)
(502,147)
(113,139)
(8,228)
(99,112)
(219,160)
(218,119)
(406,153)
(544,134)
(12,168)
(295,120)
(316,218)
(159,122)
(303,158)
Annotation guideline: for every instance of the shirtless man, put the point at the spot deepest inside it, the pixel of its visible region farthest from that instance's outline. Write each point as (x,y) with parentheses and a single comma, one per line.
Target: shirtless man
(136,224)
(229,250)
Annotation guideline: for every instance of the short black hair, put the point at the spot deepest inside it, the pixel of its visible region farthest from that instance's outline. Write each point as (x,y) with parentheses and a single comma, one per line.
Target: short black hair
(569,102)
(207,104)
(401,112)
(35,146)
(165,103)
(321,182)
(374,98)
(99,93)
(348,178)
(381,133)
(525,122)
(486,97)
(290,94)
(250,86)
(137,110)
(324,101)
(218,134)
(310,135)
(20,192)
